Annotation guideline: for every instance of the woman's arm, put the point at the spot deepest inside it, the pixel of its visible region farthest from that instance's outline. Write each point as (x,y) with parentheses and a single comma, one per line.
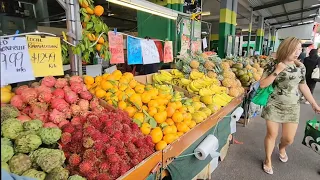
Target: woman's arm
(266,81)
(307,94)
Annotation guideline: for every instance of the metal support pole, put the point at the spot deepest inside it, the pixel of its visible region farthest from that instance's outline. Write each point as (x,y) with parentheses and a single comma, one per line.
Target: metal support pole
(74,34)
(249,35)
(62,4)
(269,41)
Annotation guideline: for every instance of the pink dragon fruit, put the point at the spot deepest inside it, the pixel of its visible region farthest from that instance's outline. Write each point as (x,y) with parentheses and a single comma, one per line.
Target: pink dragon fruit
(71,97)
(24,118)
(78,87)
(59,104)
(29,96)
(62,123)
(27,110)
(68,113)
(39,113)
(86,95)
(98,109)
(67,88)
(75,109)
(56,116)
(76,121)
(75,79)
(58,93)
(48,81)
(50,125)
(45,97)
(61,83)
(84,104)
(94,103)
(17,102)
(20,89)
(43,89)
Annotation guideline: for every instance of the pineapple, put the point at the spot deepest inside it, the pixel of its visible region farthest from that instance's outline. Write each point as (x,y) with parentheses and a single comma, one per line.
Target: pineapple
(186,69)
(179,65)
(202,69)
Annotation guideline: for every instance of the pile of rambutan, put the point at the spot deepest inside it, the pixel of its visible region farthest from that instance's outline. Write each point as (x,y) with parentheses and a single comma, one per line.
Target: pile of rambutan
(104,145)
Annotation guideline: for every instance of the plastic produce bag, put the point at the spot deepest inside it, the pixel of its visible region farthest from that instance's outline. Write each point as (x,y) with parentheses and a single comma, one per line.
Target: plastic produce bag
(262,96)
(312,135)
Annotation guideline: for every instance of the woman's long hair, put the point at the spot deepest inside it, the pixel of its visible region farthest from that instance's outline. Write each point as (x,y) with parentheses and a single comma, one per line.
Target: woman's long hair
(313,54)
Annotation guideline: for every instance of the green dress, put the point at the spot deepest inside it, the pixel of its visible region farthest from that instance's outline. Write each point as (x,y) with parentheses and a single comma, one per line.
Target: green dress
(284,103)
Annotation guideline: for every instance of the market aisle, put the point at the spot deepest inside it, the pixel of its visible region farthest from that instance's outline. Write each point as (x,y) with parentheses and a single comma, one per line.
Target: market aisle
(244,162)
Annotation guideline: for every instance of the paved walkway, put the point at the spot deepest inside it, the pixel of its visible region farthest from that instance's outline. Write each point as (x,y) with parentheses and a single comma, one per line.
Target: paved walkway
(244,162)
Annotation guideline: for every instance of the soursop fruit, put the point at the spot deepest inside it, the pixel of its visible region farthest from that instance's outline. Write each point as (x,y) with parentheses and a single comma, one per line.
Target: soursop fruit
(20,163)
(8,112)
(58,173)
(5,166)
(33,173)
(48,160)
(6,152)
(11,128)
(50,135)
(33,125)
(76,177)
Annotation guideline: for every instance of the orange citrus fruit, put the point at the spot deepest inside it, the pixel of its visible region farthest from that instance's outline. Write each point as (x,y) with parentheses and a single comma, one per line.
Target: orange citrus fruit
(192,124)
(122,105)
(177,116)
(88,80)
(156,135)
(100,93)
(161,145)
(106,85)
(160,117)
(170,111)
(169,121)
(167,130)
(145,128)
(139,116)
(182,127)
(174,129)
(98,10)
(130,110)
(169,138)
(152,111)
(153,103)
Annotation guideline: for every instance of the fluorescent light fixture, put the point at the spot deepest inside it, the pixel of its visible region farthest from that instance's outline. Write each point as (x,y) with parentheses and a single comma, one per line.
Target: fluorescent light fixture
(245,30)
(315,5)
(308,22)
(206,13)
(312,14)
(145,6)
(300,23)
(285,26)
(36,31)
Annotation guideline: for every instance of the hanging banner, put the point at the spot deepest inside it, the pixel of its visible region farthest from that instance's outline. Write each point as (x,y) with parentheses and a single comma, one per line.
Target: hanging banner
(160,49)
(45,55)
(185,44)
(150,52)
(168,54)
(134,52)
(116,47)
(15,61)
(197,29)
(196,46)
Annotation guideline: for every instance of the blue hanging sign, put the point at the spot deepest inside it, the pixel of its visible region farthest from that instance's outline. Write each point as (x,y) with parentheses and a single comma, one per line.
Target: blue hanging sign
(134,51)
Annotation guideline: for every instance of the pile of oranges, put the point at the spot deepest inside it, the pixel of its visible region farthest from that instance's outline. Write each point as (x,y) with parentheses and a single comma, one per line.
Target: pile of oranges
(153,110)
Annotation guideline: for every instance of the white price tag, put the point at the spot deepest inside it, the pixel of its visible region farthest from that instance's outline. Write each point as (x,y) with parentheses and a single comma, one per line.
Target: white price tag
(150,54)
(15,60)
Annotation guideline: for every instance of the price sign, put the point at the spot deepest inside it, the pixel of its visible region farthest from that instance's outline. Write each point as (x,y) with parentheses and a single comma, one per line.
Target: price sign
(45,55)
(15,61)
(196,46)
(134,51)
(168,54)
(150,52)
(116,47)
(185,44)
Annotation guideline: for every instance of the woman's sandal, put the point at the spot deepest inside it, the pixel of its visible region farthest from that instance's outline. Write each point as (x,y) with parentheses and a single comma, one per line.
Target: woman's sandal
(283,158)
(267,170)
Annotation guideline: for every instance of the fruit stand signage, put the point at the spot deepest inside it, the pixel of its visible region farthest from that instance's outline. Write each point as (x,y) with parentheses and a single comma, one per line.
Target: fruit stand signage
(45,55)
(15,61)
(150,52)
(116,47)
(134,51)
(168,54)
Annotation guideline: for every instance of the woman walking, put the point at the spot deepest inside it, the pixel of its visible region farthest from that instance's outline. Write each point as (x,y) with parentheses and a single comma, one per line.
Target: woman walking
(310,63)
(287,76)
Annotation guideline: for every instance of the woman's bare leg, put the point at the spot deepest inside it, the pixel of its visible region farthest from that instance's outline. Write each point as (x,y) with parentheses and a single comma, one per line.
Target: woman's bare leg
(288,132)
(270,140)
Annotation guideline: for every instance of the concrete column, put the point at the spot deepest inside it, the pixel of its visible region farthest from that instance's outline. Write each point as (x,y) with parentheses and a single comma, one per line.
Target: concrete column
(273,38)
(260,35)
(249,33)
(227,23)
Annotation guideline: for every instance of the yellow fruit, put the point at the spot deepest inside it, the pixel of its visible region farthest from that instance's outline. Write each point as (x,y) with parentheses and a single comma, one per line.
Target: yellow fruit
(122,87)
(100,93)
(98,10)
(145,128)
(187,122)
(105,75)
(3,89)
(145,108)
(145,97)
(152,111)
(5,97)
(174,129)
(133,83)
(182,127)
(197,105)
(167,130)
(128,76)
(160,117)
(156,135)
(169,121)
(177,117)
(139,116)
(122,105)
(187,117)
(106,85)
(207,99)
(89,10)
(117,74)
(130,110)
(139,89)
(169,138)
(161,145)
(206,110)
(88,80)
(98,79)
(192,124)
(92,91)
(179,134)
(8,87)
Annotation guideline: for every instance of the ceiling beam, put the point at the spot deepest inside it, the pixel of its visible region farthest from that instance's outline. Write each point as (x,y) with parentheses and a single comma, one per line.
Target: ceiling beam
(293,12)
(293,20)
(293,26)
(272,4)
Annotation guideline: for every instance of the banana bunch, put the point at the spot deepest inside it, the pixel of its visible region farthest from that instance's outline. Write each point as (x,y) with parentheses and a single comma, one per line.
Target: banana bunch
(221,99)
(218,89)
(177,82)
(187,102)
(196,75)
(185,82)
(164,89)
(162,77)
(177,96)
(206,92)
(176,73)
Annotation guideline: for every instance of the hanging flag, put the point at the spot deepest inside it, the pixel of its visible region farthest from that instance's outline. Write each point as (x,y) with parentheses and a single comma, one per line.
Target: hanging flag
(134,51)
(116,47)
(150,52)
(160,49)
(168,54)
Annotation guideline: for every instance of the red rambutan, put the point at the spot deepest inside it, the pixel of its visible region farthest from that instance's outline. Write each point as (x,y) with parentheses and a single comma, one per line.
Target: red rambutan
(138,144)
(134,162)
(74,160)
(87,142)
(117,135)
(77,136)
(113,158)
(105,138)
(124,168)
(89,154)
(103,176)
(114,170)
(104,167)
(134,127)
(86,167)
(99,145)
(131,148)
(65,138)
(110,150)
(126,128)
(68,128)
(121,152)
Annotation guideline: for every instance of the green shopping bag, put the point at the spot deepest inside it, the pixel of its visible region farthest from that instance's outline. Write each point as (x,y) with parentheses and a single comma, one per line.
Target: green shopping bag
(262,96)
(312,135)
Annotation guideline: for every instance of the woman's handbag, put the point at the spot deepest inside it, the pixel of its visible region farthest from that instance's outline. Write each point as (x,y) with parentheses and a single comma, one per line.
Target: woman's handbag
(262,96)
(312,135)
(316,73)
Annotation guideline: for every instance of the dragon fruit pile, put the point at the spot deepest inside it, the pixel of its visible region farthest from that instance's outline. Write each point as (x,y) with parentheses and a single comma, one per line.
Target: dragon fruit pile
(55,101)
(104,145)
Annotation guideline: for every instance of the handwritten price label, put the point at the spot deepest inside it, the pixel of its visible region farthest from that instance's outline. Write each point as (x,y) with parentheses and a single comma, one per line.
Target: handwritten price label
(45,55)
(116,47)
(134,51)
(168,54)
(15,61)
(150,52)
